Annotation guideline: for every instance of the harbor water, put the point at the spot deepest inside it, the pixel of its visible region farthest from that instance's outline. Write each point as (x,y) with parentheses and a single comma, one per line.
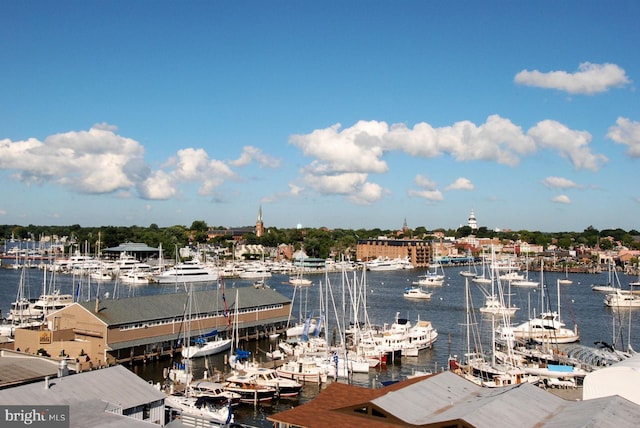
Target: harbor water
(384,301)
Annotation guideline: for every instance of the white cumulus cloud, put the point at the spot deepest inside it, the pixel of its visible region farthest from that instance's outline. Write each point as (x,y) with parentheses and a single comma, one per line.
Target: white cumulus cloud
(431,195)
(93,161)
(428,189)
(354,149)
(460,184)
(159,185)
(626,132)
(570,144)
(425,182)
(360,149)
(561,199)
(250,154)
(101,161)
(589,79)
(559,183)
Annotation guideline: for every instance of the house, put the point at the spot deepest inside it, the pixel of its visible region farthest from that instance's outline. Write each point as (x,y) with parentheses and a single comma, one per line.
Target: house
(448,400)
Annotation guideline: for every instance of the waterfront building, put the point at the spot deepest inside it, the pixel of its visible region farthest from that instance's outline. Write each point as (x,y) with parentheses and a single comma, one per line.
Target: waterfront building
(140,251)
(104,332)
(417,251)
(448,400)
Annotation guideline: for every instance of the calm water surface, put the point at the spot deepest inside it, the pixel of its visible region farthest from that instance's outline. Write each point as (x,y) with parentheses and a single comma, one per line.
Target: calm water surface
(384,297)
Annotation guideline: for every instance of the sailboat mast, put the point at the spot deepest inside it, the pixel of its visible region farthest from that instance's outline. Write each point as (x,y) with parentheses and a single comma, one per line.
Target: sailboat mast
(558,286)
(541,286)
(466,296)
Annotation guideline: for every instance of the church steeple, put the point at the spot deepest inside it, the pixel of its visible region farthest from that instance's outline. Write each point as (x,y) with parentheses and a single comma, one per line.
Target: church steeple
(259,223)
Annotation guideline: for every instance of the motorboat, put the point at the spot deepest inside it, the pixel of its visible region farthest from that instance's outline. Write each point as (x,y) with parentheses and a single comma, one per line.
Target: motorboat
(250,391)
(382,264)
(48,303)
(421,336)
(202,407)
(545,328)
(430,279)
(255,271)
(622,300)
(135,277)
(268,377)
(417,293)
(215,391)
(304,369)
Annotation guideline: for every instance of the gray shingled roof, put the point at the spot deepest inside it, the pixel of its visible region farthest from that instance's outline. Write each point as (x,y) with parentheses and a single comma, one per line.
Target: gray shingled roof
(160,306)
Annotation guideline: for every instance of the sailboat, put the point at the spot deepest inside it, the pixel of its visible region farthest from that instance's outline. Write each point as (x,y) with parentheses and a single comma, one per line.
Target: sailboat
(204,344)
(494,300)
(475,366)
(525,282)
(547,327)
(566,280)
(299,279)
(471,273)
(613,282)
(483,278)
(20,313)
(185,402)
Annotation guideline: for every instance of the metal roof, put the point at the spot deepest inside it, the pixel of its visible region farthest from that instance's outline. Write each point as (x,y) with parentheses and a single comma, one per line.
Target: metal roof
(448,397)
(17,368)
(89,396)
(161,306)
(132,247)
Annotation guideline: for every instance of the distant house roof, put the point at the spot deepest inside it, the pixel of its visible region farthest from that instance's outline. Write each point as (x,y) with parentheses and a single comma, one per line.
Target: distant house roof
(446,399)
(93,397)
(132,247)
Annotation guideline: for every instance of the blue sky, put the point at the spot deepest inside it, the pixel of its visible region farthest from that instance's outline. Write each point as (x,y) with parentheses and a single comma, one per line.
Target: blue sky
(356,114)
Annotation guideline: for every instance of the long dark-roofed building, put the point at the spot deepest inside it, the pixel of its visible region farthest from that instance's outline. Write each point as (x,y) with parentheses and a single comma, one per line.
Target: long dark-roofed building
(120,330)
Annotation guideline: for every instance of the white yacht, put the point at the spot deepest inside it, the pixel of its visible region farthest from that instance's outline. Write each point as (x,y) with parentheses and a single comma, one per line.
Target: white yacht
(545,328)
(191,271)
(255,271)
(48,303)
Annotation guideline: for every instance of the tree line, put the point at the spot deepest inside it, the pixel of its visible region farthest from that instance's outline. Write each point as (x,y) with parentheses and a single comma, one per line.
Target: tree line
(317,242)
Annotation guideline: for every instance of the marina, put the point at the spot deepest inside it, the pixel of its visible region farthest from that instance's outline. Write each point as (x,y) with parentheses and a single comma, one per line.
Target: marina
(385,299)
